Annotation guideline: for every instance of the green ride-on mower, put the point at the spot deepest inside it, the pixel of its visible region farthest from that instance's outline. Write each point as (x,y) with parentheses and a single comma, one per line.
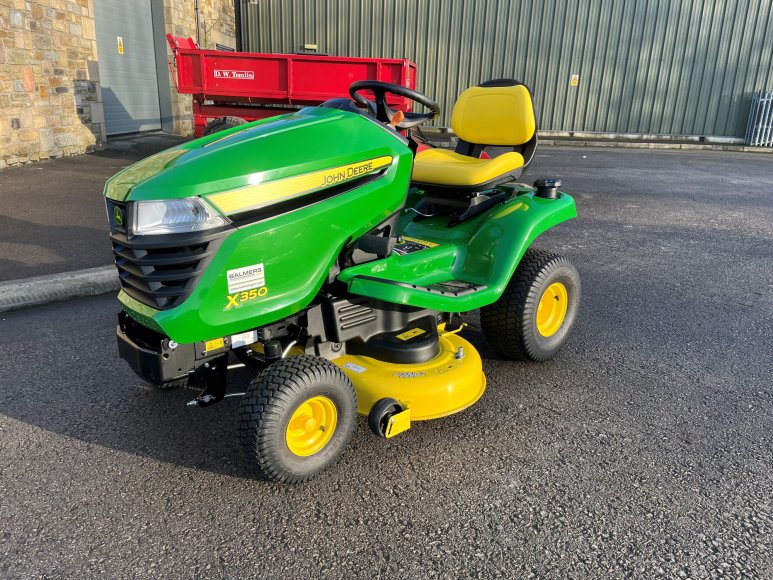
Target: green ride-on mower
(328,255)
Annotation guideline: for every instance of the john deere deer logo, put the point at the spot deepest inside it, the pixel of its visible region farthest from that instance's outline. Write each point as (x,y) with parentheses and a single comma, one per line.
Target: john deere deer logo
(118,215)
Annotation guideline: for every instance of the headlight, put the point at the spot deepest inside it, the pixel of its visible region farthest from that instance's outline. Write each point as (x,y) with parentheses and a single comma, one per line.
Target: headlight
(191,214)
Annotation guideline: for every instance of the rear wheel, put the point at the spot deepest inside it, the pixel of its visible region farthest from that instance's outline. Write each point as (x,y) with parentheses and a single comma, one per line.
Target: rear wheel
(533,317)
(221,124)
(296,418)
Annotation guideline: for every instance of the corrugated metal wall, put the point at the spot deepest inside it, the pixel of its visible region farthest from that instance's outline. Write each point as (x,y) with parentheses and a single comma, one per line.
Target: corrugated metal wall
(684,67)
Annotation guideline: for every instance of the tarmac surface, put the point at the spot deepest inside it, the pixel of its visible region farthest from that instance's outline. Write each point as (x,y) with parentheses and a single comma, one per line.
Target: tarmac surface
(52,213)
(645,449)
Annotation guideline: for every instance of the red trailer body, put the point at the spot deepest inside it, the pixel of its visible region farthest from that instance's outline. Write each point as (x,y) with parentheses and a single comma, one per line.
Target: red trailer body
(254,85)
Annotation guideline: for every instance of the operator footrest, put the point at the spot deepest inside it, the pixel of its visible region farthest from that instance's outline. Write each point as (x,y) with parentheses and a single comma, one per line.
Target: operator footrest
(448,288)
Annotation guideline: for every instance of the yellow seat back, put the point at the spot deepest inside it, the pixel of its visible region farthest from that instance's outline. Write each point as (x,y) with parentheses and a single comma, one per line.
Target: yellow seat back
(494,115)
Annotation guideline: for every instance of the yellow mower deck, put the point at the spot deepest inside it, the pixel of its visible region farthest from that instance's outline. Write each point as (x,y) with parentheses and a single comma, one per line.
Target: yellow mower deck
(447,384)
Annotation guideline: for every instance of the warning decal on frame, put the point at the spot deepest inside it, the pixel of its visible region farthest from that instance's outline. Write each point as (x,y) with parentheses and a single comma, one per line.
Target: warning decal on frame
(246,278)
(120,44)
(408,245)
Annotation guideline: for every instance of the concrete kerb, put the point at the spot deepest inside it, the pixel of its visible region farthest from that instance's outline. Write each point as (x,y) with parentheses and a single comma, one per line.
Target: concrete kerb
(41,290)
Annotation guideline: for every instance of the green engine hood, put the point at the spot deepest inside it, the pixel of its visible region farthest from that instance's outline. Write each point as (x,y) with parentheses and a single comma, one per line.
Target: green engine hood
(309,140)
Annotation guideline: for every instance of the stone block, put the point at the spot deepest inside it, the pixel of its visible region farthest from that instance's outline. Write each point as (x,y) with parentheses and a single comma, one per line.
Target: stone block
(47,142)
(2,52)
(93,68)
(43,91)
(17,21)
(42,41)
(66,139)
(76,29)
(102,132)
(97,113)
(17,56)
(28,79)
(15,123)
(37,12)
(27,135)
(88,29)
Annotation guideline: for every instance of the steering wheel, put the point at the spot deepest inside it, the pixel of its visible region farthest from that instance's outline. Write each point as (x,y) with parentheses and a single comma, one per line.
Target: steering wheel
(384,112)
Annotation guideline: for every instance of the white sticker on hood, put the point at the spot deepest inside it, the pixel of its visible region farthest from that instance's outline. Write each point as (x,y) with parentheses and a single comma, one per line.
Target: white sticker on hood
(246,278)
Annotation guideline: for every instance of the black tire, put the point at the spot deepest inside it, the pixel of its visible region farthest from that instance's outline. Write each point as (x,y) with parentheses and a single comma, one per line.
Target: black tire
(510,324)
(270,402)
(379,415)
(175,384)
(221,124)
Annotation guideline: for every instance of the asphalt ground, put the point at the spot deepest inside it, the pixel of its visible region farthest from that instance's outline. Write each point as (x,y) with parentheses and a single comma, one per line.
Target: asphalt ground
(52,213)
(644,449)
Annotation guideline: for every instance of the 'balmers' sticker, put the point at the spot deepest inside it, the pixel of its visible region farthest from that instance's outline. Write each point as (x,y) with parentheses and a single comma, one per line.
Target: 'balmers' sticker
(246,278)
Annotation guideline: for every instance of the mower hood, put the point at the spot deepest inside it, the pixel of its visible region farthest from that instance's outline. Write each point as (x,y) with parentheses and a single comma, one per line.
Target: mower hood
(309,140)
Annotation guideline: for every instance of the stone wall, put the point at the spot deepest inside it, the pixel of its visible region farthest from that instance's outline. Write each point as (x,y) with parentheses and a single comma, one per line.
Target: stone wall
(50,99)
(217,25)
(50,96)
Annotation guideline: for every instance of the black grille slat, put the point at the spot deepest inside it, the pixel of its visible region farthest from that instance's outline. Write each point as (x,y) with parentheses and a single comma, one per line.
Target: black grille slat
(166,275)
(161,277)
(159,290)
(165,258)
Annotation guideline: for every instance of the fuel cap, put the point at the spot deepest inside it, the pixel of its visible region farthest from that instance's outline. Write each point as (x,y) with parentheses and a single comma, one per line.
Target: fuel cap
(547,187)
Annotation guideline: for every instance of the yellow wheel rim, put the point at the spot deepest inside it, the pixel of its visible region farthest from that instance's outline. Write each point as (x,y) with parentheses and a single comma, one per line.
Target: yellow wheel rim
(551,310)
(311,426)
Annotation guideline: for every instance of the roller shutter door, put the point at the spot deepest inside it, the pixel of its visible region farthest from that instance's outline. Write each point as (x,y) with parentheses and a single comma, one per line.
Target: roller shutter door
(127,65)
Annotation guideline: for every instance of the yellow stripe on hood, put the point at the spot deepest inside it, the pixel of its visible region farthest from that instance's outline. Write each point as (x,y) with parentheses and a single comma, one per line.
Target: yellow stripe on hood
(271,192)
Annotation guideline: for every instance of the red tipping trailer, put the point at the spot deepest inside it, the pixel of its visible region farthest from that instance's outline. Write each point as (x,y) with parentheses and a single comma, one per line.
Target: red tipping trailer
(253,85)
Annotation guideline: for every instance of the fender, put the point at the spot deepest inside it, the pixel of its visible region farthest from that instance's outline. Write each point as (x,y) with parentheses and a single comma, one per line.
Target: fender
(481,253)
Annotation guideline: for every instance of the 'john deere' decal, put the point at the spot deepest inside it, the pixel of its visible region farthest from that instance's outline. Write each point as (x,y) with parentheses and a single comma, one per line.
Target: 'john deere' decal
(271,192)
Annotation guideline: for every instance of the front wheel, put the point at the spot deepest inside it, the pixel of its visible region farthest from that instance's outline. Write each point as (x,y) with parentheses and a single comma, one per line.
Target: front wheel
(533,317)
(296,418)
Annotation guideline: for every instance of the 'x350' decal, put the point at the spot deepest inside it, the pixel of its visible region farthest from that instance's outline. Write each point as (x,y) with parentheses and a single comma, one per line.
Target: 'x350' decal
(236,300)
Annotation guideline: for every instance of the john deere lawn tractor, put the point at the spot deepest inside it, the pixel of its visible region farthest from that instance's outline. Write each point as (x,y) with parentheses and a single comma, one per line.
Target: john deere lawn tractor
(319,249)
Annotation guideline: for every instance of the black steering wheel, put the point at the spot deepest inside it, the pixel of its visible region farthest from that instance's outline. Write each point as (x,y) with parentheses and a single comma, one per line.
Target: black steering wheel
(384,112)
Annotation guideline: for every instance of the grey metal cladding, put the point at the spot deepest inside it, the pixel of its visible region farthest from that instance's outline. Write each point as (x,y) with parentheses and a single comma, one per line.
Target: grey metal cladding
(645,66)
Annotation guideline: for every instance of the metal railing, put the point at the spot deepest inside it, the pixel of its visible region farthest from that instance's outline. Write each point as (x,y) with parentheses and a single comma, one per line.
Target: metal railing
(759,130)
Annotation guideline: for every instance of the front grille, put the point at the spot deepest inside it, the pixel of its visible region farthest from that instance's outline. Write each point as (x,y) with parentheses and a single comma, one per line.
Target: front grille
(162,277)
